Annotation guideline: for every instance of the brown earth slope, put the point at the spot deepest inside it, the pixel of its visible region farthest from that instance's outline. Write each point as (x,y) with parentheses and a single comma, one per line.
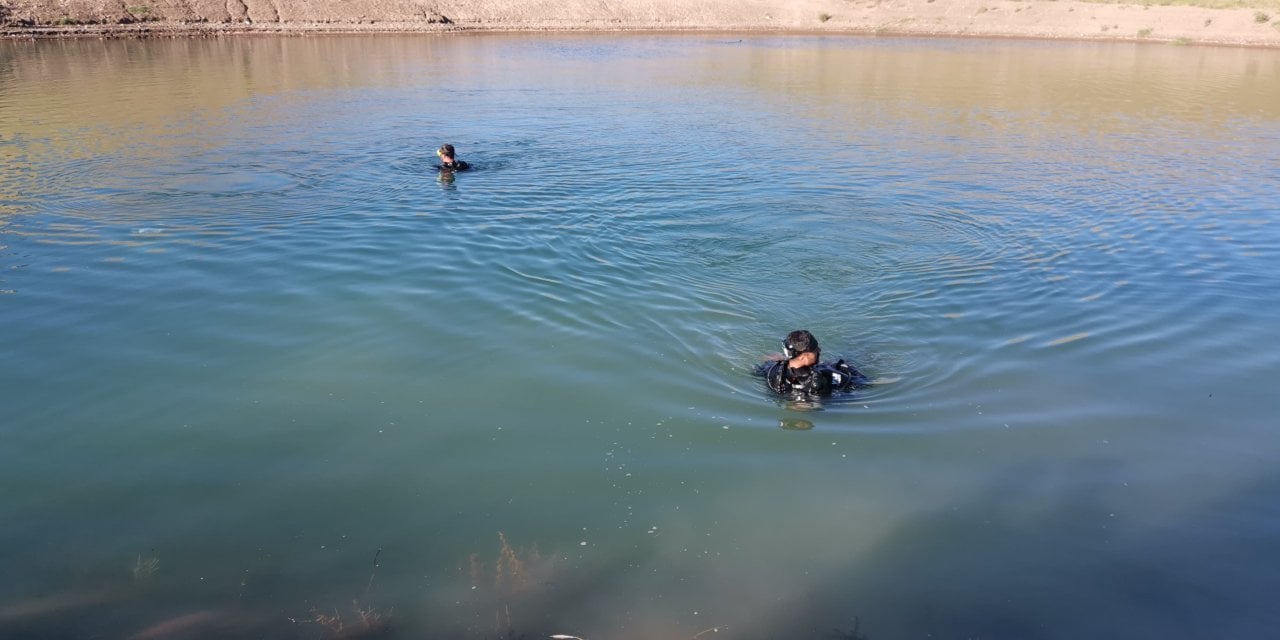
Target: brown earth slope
(1258,26)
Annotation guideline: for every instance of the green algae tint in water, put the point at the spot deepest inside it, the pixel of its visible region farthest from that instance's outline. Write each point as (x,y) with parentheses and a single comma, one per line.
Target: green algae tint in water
(265,374)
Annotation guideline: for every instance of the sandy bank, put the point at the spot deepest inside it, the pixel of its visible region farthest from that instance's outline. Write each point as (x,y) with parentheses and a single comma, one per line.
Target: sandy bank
(990,18)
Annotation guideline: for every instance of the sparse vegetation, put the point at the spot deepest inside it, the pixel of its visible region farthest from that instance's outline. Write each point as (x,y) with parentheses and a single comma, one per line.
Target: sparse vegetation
(138,13)
(363,622)
(1142,33)
(144,567)
(512,581)
(851,634)
(1261,16)
(1181,42)
(360,622)
(823,17)
(1207,4)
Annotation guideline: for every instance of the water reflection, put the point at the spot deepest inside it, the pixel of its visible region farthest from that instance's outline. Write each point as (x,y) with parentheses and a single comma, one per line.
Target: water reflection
(795,424)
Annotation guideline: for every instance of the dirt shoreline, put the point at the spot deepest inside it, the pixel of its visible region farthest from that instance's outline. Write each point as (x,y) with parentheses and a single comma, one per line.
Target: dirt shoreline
(1036,19)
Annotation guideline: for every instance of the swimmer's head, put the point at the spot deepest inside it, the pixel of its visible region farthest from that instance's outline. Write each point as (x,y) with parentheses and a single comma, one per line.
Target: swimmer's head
(798,342)
(445,151)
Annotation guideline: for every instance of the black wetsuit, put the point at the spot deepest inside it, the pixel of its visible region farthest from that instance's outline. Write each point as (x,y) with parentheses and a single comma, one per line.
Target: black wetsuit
(821,379)
(458,165)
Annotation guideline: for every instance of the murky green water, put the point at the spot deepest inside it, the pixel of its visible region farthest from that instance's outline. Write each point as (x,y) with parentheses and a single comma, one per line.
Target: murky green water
(260,363)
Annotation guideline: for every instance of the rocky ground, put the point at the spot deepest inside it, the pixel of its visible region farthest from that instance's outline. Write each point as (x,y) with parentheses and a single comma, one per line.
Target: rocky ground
(1258,25)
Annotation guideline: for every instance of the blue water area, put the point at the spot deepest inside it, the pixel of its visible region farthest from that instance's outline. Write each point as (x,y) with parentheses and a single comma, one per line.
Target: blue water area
(266,373)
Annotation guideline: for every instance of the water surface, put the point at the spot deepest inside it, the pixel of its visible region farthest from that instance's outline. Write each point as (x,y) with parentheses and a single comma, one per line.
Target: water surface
(265,369)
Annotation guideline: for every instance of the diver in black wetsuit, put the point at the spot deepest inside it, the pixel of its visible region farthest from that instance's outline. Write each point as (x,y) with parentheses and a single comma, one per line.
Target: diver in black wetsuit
(449,160)
(799,375)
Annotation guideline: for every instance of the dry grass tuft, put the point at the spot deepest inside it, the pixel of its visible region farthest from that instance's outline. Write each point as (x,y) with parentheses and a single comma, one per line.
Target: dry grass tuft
(363,622)
(144,568)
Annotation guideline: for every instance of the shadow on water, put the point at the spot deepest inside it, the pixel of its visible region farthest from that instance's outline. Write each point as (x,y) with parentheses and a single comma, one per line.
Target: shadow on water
(993,567)
(989,567)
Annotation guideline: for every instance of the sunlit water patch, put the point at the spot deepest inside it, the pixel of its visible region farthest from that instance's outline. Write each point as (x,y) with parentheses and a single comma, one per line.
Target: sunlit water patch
(267,373)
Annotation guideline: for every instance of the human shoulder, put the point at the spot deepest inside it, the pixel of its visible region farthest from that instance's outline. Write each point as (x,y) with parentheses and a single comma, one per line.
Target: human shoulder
(841,374)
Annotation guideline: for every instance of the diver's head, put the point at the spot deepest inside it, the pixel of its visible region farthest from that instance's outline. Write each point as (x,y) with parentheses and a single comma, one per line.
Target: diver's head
(445,152)
(798,342)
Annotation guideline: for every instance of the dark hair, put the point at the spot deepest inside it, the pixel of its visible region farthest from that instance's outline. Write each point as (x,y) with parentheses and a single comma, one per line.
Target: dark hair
(447,149)
(801,341)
